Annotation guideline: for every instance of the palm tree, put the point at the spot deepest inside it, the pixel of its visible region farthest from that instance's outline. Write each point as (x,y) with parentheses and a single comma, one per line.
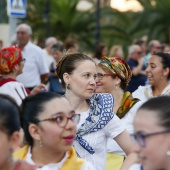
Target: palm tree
(154,19)
(64,20)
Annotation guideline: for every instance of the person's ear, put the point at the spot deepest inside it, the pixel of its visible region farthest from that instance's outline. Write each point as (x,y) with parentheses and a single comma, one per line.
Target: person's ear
(14,140)
(118,81)
(15,68)
(34,131)
(166,71)
(66,78)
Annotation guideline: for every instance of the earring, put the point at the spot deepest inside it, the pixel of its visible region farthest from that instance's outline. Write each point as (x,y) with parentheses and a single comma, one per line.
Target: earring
(168,153)
(68,86)
(40,142)
(116,87)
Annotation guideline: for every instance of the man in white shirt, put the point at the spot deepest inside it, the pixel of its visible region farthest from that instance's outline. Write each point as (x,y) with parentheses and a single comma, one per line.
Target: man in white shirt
(36,68)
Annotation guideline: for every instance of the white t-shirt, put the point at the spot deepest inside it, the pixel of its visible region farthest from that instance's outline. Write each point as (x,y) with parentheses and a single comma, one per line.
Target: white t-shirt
(145,92)
(127,120)
(35,65)
(50,59)
(98,141)
(14,89)
(56,166)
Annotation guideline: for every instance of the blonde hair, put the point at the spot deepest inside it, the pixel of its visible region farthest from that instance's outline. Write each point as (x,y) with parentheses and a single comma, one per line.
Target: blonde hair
(114,51)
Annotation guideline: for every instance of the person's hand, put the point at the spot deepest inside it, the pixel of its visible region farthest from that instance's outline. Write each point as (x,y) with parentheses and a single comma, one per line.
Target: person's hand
(140,62)
(38,89)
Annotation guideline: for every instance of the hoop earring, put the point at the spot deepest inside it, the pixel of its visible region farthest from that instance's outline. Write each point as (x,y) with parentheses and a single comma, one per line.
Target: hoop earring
(40,142)
(68,86)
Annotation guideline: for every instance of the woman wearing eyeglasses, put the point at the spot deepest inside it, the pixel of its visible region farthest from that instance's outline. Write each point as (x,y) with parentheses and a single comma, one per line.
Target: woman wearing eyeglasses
(49,124)
(97,119)
(113,76)
(9,135)
(152,134)
(158,74)
(11,65)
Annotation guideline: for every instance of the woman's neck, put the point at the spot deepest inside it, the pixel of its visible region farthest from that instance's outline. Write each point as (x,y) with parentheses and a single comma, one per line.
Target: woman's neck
(10,75)
(7,165)
(79,104)
(50,157)
(118,95)
(158,89)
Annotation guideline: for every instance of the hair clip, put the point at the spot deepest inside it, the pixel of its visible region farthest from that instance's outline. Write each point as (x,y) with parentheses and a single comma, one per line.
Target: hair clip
(65,52)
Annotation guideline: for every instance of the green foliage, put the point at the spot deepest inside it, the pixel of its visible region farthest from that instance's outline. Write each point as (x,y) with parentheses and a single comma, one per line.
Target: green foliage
(154,19)
(3,11)
(64,21)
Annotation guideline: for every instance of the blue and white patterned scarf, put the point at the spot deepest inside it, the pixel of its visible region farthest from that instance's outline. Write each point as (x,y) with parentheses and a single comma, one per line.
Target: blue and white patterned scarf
(101,112)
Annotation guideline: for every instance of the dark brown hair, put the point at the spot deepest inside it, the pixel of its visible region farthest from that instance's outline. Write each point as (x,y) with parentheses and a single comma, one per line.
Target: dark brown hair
(165,57)
(69,63)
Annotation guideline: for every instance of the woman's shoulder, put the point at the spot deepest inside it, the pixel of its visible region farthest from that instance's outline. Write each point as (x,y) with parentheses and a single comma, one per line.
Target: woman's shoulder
(11,84)
(166,90)
(141,88)
(140,93)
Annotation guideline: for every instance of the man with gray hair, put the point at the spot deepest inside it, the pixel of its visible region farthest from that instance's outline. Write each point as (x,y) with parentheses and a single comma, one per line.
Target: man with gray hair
(135,62)
(154,46)
(49,42)
(35,69)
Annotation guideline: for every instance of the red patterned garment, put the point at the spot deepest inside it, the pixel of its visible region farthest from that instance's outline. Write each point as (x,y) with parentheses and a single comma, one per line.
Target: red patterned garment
(9,58)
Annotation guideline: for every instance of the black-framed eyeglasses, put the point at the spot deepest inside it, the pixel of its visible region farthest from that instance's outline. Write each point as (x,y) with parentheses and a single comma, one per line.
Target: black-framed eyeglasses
(157,47)
(100,75)
(62,119)
(141,138)
(22,60)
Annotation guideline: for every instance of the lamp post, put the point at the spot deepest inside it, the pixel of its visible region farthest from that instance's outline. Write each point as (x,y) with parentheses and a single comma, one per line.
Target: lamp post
(46,17)
(97,30)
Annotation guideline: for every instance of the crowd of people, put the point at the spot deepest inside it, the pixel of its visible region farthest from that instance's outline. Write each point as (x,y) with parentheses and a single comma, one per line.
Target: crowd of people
(61,109)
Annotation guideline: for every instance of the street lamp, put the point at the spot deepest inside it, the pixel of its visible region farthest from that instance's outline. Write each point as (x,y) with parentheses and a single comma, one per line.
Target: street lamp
(97,30)
(46,17)
(85,5)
